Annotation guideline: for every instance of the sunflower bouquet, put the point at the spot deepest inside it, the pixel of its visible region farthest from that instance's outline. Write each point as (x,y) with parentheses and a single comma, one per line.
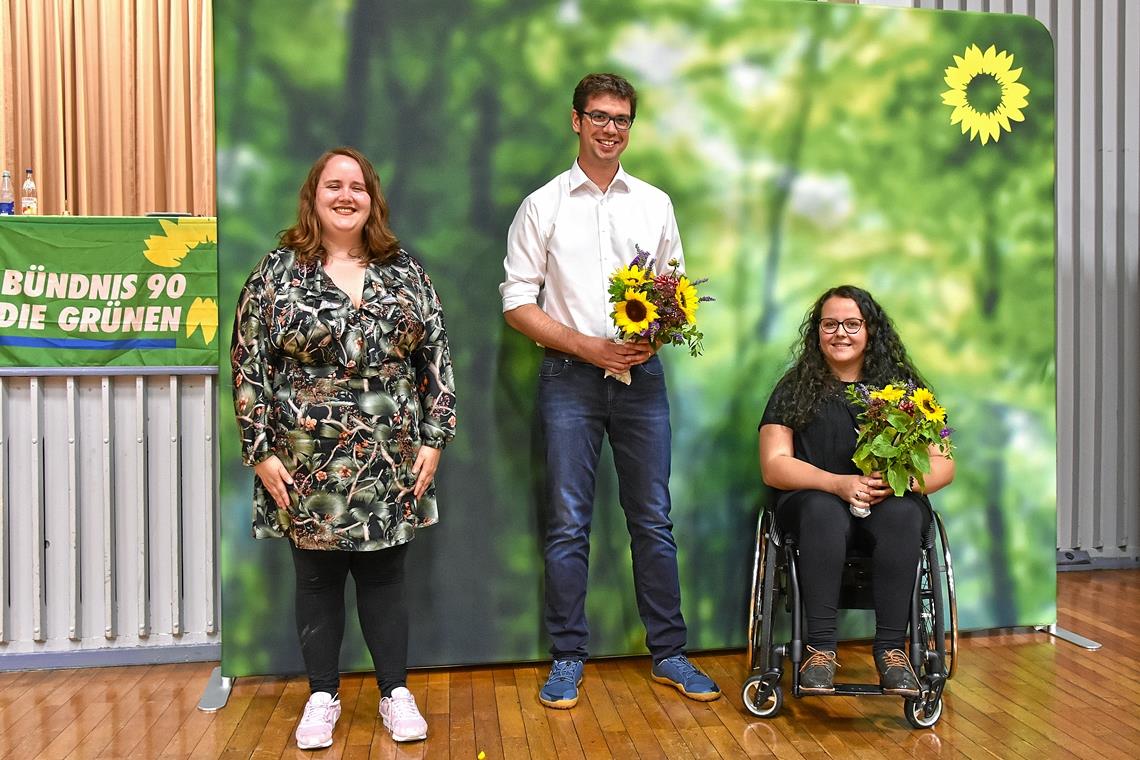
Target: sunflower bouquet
(658,308)
(899,424)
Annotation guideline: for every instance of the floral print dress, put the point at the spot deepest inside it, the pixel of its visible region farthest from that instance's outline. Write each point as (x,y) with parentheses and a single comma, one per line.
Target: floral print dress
(344,396)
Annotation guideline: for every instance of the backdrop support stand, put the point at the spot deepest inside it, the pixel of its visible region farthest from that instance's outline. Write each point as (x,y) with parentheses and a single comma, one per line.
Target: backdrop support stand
(217,691)
(1064,633)
(1067,559)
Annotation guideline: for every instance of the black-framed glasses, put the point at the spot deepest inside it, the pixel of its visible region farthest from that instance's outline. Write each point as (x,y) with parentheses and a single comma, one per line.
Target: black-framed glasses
(600,119)
(850,326)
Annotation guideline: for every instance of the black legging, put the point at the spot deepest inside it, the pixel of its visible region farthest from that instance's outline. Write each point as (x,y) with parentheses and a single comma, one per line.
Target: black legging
(380,605)
(824,528)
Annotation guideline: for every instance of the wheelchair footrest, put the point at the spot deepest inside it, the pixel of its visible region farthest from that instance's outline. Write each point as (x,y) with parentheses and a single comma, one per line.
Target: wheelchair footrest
(855,690)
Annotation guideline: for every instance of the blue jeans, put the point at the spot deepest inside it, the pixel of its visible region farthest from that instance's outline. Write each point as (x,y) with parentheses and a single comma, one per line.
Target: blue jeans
(577,406)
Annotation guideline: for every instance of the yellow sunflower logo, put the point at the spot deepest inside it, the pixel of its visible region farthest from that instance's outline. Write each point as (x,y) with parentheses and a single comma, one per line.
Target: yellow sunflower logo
(178,238)
(925,402)
(890,394)
(687,299)
(634,314)
(985,93)
(631,276)
(202,315)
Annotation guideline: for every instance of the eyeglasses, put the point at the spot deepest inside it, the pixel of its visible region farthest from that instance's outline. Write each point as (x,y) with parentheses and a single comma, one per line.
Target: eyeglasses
(600,119)
(850,326)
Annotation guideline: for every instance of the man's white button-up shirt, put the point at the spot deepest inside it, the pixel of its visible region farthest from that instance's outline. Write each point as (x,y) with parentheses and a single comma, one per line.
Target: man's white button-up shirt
(568,237)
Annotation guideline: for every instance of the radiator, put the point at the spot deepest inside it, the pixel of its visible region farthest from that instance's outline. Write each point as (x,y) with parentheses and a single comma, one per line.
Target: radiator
(108,527)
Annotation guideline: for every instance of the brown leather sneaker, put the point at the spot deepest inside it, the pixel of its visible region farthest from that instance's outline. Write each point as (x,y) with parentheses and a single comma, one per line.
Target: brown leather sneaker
(817,674)
(896,675)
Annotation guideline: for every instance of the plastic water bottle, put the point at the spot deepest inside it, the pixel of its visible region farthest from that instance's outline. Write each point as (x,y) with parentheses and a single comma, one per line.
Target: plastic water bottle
(7,195)
(29,200)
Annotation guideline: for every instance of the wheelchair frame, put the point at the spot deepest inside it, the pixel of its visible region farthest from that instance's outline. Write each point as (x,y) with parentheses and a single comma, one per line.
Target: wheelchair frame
(774,570)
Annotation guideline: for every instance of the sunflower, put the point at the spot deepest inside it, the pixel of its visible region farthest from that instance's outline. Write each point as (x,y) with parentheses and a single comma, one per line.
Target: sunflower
(634,314)
(890,394)
(925,402)
(687,299)
(985,93)
(631,276)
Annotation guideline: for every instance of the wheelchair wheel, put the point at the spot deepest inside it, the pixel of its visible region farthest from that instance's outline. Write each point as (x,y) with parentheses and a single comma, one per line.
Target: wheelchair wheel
(761,693)
(920,714)
(931,620)
(937,632)
(760,700)
(952,599)
(755,610)
(763,594)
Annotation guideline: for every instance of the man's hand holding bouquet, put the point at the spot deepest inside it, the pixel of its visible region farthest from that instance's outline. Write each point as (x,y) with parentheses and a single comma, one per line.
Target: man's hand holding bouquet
(659,309)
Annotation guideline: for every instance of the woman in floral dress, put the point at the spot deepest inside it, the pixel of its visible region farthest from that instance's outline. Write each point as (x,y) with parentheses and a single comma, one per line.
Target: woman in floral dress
(344,395)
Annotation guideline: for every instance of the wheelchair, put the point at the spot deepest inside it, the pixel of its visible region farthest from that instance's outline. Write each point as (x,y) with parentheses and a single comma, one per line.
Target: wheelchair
(775,589)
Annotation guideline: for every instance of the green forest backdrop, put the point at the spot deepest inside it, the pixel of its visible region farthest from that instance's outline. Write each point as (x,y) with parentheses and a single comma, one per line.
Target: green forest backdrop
(804,145)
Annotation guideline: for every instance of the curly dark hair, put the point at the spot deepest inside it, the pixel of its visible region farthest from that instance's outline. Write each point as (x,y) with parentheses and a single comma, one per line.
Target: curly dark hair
(304,237)
(810,380)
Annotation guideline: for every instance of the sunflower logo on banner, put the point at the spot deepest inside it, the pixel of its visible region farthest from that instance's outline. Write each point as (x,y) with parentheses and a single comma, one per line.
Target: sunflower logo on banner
(169,250)
(985,93)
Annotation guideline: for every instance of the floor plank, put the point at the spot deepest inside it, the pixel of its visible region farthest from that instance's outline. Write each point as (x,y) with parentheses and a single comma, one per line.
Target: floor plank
(1018,694)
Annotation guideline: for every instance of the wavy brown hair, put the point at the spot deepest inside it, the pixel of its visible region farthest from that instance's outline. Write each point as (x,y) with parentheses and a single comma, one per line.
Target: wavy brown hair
(810,380)
(304,237)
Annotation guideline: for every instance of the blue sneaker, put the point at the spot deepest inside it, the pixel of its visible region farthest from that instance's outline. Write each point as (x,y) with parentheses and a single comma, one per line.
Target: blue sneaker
(561,688)
(684,676)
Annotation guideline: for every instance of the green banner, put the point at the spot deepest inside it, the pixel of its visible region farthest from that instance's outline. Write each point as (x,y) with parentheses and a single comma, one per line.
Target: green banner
(108,291)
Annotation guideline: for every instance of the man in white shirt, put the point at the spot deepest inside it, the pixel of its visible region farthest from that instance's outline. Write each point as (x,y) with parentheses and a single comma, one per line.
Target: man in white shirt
(566,240)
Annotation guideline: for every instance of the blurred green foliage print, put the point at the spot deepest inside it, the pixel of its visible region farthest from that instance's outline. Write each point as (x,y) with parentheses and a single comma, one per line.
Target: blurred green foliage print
(804,145)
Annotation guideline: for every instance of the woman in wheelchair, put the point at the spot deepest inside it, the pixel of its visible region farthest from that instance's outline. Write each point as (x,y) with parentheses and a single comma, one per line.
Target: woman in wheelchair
(807,438)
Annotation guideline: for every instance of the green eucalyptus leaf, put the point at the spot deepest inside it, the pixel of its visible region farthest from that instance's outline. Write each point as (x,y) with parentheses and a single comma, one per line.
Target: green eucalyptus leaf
(898,420)
(898,478)
(882,447)
(920,458)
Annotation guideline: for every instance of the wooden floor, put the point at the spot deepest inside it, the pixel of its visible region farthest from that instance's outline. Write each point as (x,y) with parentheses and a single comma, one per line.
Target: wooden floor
(1015,695)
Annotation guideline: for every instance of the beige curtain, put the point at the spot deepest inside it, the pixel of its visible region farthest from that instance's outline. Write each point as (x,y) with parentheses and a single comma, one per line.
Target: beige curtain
(111,102)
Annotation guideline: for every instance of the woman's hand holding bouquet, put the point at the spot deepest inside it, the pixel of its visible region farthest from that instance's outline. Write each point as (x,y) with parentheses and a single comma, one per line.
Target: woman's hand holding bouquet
(899,424)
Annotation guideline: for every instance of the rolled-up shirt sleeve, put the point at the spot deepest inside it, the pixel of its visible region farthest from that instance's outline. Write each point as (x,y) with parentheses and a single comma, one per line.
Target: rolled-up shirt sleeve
(525,263)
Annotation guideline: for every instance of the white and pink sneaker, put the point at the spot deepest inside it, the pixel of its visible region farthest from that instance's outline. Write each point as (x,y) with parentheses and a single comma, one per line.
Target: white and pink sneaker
(316,726)
(401,716)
